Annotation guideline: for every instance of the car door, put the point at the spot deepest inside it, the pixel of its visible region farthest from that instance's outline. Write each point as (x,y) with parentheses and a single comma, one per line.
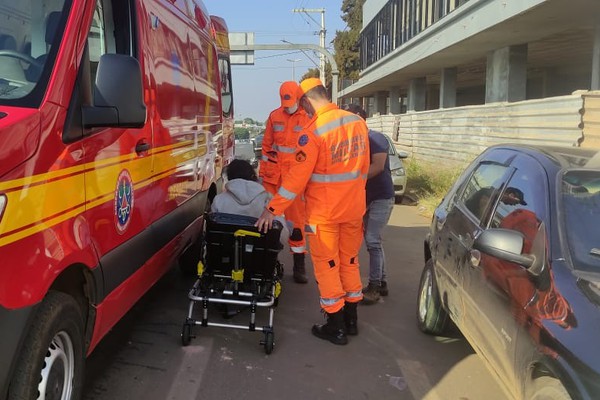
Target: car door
(455,235)
(502,291)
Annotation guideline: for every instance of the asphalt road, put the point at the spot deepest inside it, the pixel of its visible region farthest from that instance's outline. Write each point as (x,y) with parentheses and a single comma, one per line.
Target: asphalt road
(142,358)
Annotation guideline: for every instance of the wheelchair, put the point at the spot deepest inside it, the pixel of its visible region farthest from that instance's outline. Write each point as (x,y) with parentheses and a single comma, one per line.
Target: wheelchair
(239,268)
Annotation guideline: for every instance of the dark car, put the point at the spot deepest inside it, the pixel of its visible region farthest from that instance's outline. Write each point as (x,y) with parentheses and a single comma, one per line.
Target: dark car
(513,259)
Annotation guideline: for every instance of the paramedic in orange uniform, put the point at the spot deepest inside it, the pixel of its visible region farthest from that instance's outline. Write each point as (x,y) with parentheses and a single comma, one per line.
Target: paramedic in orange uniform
(278,152)
(330,167)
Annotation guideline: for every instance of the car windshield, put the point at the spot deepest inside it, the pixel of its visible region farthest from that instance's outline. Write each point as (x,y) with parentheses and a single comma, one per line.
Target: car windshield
(580,192)
(28,29)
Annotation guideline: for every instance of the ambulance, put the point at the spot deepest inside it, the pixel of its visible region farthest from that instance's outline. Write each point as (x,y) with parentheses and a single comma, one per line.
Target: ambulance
(116,121)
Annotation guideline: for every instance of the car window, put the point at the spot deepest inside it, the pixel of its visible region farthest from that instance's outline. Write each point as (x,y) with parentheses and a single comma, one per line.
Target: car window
(482,188)
(526,190)
(580,192)
(523,202)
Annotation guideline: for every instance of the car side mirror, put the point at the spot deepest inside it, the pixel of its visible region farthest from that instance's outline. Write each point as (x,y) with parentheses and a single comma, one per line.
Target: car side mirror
(504,244)
(118,94)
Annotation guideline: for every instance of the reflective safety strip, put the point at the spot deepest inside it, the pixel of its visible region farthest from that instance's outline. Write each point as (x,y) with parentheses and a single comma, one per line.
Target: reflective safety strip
(365,176)
(329,302)
(297,249)
(310,228)
(297,128)
(354,295)
(289,224)
(278,128)
(264,158)
(328,178)
(286,194)
(284,149)
(336,123)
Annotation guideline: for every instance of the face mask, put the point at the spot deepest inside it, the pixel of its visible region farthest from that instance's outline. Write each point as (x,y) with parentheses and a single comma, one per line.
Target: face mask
(292,109)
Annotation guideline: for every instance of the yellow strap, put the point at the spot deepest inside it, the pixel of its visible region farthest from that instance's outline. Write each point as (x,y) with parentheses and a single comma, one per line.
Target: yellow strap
(242,232)
(277,289)
(200,268)
(237,275)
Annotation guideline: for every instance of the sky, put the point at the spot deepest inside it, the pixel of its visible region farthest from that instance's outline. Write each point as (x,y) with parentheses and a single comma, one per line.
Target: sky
(256,87)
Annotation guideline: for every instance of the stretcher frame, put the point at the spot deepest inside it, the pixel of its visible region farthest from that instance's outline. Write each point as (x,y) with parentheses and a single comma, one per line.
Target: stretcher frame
(235,289)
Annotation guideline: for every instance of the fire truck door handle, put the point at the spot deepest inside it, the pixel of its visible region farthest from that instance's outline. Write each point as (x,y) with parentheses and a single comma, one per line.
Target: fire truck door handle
(142,146)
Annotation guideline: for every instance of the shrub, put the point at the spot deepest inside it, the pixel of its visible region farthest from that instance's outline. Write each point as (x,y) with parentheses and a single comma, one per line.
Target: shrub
(429,183)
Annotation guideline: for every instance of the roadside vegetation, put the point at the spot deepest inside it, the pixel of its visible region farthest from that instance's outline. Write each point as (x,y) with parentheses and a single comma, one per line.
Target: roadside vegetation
(428,183)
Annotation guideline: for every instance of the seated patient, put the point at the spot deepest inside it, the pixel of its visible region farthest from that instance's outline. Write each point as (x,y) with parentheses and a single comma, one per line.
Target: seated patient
(244,195)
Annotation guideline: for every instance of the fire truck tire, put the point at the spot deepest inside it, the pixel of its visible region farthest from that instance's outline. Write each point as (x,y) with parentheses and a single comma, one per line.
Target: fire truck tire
(51,364)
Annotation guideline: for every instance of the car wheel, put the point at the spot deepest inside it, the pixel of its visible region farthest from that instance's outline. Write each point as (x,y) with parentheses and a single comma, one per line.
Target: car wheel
(51,362)
(547,388)
(432,318)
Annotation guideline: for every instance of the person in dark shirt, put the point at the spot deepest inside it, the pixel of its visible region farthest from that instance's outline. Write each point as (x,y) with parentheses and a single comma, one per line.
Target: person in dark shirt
(380,202)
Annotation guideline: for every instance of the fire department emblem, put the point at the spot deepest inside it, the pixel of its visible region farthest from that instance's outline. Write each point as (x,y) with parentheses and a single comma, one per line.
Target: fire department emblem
(303,140)
(300,156)
(123,201)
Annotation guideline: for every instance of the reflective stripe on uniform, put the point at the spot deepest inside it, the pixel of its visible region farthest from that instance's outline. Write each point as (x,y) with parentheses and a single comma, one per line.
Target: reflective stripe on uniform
(286,194)
(284,149)
(298,249)
(297,128)
(336,123)
(278,128)
(329,302)
(328,178)
(354,295)
(310,228)
(289,224)
(264,158)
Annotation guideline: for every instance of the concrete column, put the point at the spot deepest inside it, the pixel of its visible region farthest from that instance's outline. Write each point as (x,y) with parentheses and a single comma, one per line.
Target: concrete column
(417,90)
(506,75)
(395,105)
(596,60)
(448,88)
(380,102)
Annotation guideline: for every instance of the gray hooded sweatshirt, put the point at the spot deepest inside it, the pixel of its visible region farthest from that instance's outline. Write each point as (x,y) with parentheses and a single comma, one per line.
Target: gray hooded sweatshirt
(246,198)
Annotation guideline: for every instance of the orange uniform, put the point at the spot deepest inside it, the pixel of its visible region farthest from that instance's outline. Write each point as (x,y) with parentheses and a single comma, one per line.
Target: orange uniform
(330,167)
(278,152)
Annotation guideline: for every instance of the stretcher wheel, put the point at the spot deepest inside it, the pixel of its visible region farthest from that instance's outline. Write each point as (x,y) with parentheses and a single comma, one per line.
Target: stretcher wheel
(269,342)
(186,334)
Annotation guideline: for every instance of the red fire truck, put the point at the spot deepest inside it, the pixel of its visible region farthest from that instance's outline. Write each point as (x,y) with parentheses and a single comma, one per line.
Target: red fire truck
(116,120)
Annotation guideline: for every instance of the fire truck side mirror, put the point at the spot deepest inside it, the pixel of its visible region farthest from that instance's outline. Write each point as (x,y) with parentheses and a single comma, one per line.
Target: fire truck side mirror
(118,94)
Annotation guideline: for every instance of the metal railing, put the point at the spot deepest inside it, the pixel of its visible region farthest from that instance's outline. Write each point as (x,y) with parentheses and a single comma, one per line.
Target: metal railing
(398,22)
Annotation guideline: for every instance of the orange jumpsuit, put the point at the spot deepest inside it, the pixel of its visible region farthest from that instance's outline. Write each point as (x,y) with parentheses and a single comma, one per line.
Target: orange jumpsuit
(330,167)
(278,151)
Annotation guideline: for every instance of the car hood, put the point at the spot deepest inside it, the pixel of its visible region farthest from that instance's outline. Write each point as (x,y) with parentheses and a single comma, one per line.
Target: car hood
(19,136)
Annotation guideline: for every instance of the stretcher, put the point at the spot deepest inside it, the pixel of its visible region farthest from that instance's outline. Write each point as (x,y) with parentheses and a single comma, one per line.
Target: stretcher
(239,269)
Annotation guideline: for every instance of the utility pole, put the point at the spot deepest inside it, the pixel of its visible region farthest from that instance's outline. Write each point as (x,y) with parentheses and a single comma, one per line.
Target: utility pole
(321,35)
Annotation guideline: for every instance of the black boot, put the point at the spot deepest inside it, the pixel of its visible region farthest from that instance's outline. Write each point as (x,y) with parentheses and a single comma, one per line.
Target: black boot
(383,289)
(299,269)
(333,330)
(371,294)
(351,318)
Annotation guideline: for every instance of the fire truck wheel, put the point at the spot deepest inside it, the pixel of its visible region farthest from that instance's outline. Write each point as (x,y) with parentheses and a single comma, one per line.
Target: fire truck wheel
(52,359)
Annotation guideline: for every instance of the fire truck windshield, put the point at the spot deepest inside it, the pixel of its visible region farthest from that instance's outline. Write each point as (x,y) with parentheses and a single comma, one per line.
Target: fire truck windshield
(30,32)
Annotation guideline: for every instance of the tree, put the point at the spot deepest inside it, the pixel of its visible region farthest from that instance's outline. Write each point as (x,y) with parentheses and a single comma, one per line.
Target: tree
(347,43)
(241,133)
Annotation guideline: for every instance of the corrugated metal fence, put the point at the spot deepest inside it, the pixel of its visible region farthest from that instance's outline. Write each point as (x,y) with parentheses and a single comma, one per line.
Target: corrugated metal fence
(457,135)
